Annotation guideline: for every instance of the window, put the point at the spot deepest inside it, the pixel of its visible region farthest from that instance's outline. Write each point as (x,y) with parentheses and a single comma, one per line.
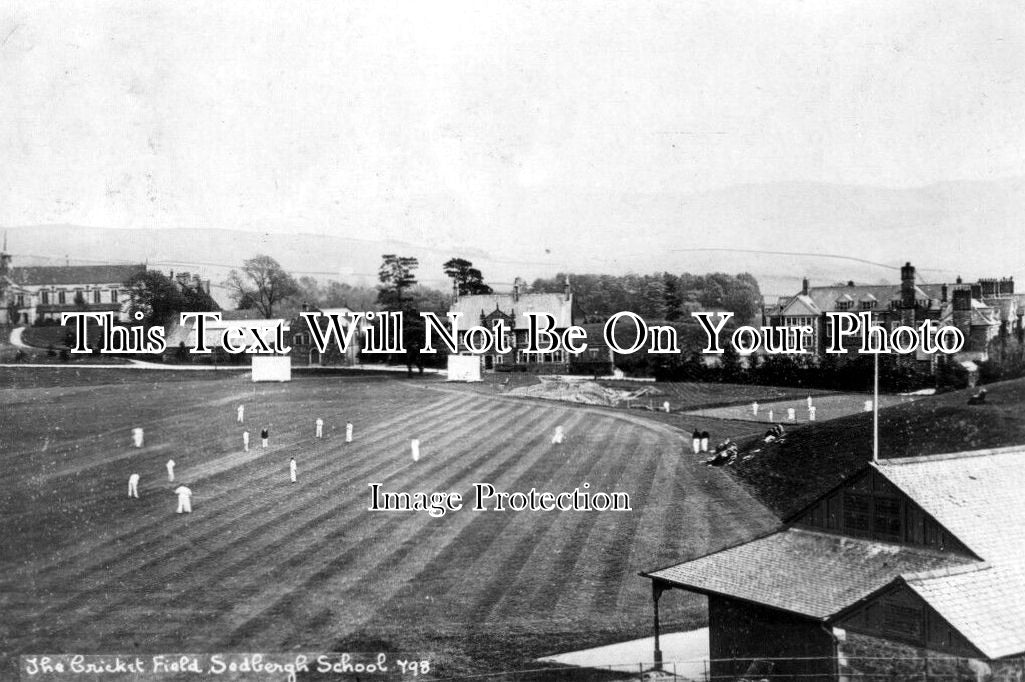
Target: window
(857,513)
(62,297)
(902,620)
(886,518)
(45,297)
(844,305)
(96,296)
(113,295)
(21,300)
(868,305)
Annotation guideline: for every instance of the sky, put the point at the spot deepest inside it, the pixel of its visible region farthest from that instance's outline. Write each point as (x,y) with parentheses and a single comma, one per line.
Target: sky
(488,123)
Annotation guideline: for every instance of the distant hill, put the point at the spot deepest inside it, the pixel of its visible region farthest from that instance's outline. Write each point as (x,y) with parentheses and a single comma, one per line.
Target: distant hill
(779,232)
(814,458)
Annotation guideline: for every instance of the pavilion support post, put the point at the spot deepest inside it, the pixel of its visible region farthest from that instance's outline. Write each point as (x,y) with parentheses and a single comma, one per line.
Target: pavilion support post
(657,588)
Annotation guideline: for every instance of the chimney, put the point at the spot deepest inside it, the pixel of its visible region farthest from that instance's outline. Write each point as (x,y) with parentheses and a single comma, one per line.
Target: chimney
(5,258)
(804,286)
(850,282)
(907,286)
(516,290)
(943,294)
(962,300)
(566,288)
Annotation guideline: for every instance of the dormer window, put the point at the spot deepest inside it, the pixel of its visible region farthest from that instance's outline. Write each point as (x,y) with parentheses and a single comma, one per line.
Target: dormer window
(845,302)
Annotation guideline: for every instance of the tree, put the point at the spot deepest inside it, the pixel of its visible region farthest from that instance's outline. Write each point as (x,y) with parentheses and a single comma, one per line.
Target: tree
(428,300)
(154,295)
(468,279)
(671,296)
(197,300)
(396,276)
(263,283)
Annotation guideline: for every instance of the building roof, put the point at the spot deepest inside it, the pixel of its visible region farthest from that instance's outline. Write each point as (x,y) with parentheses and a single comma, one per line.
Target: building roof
(805,572)
(825,298)
(213,332)
(473,307)
(978,497)
(821,300)
(62,275)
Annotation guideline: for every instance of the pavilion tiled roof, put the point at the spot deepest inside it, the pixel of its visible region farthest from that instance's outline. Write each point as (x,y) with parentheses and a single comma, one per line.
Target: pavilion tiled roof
(977,496)
(805,572)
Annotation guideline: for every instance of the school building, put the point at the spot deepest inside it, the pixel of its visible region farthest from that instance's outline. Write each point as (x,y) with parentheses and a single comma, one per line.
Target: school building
(32,294)
(488,309)
(982,310)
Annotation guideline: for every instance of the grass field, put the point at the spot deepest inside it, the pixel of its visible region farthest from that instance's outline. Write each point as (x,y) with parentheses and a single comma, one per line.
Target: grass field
(265,565)
(787,476)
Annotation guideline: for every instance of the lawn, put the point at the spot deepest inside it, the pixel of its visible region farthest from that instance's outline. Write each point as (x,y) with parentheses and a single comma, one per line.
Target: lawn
(815,457)
(263,565)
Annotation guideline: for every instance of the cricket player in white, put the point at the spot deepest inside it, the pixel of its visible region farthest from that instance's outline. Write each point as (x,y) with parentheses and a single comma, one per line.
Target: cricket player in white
(137,437)
(241,413)
(320,427)
(811,413)
(245,440)
(184,499)
(291,469)
(754,408)
(557,438)
(348,432)
(170,470)
(133,485)
(415,446)
(791,414)
(809,402)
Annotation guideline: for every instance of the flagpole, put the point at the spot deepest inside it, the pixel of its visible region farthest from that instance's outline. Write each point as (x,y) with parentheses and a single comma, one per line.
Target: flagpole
(875,412)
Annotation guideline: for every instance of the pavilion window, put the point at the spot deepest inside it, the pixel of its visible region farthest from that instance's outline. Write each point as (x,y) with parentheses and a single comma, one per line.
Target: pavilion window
(902,621)
(857,513)
(886,518)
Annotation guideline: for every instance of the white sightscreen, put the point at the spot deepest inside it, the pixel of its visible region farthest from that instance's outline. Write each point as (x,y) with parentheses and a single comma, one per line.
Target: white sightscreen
(272,368)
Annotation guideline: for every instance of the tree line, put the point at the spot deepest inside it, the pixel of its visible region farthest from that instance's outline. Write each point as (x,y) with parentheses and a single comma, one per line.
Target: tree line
(659,296)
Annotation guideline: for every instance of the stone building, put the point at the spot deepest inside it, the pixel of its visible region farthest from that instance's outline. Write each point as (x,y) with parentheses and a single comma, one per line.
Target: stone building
(911,565)
(487,309)
(981,310)
(35,293)
(306,353)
